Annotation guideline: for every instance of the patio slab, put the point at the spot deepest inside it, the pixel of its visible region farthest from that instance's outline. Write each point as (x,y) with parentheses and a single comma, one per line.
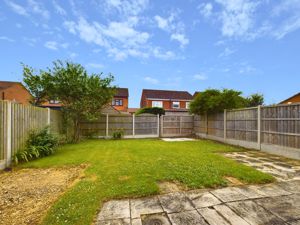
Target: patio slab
(187,218)
(229,194)
(145,206)
(175,202)
(202,199)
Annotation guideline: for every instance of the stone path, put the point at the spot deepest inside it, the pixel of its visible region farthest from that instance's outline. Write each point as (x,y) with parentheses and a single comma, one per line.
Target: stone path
(281,168)
(272,204)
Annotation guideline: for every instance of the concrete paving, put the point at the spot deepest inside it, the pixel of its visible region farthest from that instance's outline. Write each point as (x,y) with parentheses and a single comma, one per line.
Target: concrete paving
(270,204)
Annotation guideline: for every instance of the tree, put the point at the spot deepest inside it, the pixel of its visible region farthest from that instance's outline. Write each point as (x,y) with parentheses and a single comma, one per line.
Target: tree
(82,96)
(152,110)
(214,100)
(255,100)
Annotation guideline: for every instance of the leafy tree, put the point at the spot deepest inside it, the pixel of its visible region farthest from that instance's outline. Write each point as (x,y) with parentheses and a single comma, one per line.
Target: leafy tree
(214,100)
(82,96)
(255,100)
(152,110)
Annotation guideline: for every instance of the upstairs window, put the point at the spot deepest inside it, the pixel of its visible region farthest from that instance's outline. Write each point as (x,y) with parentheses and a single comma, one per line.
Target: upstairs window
(53,101)
(175,105)
(117,102)
(157,104)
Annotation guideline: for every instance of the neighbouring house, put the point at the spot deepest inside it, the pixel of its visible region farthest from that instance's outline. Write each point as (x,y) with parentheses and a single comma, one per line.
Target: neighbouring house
(294,99)
(119,103)
(14,91)
(132,110)
(174,102)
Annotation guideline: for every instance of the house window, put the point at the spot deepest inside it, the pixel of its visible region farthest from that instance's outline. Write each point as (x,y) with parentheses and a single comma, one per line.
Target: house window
(157,104)
(53,101)
(187,105)
(175,105)
(117,102)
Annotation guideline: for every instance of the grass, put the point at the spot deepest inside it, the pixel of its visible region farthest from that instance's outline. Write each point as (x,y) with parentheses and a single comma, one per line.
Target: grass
(132,168)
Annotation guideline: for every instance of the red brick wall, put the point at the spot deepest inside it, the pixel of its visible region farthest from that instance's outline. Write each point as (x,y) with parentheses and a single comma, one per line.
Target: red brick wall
(16,93)
(123,107)
(166,104)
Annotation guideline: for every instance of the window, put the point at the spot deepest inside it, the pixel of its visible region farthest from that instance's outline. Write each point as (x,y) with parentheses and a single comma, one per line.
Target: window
(187,105)
(53,101)
(117,102)
(175,105)
(157,104)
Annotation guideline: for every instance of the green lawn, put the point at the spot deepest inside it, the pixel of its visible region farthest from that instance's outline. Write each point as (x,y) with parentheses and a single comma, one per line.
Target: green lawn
(131,168)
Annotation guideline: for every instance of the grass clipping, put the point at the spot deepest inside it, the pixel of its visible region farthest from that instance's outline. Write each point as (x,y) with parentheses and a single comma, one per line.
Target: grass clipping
(27,194)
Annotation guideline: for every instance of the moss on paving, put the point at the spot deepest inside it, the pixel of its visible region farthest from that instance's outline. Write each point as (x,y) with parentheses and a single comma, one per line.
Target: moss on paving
(132,168)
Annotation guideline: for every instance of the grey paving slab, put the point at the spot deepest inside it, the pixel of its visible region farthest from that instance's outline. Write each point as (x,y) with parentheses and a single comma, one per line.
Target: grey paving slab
(158,218)
(137,221)
(228,194)
(175,202)
(229,215)
(144,206)
(291,186)
(114,222)
(249,191)
(212,216)
(254,214)
(294,222)
(271,190)
(285,207)
(115,209)
(187,218)
(202,199)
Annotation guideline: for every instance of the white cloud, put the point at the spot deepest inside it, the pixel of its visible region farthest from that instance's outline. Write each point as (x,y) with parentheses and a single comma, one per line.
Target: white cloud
(227,52)
(73,55)
(51,45)
(59,9)
(17,8)
(287,27)
(4,38)
(151,80)
(127,7)
(200,76)
(38,8)
(180,38)
(168,55)
(95,65)
(162,23)
(30,41)
(206,9)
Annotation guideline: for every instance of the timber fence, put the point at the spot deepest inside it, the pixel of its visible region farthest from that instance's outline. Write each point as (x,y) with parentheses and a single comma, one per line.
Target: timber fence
(16,120)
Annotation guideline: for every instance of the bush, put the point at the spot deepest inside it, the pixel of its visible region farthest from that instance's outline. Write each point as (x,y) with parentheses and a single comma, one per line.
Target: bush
(152,110)
(40,143)
(118,134)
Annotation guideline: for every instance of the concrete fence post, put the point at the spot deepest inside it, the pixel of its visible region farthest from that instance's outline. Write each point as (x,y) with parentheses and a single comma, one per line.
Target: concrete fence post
(225,124)
(158,128)
(8,134)
(106,127)
(161,126)
(133,125)
(259,127)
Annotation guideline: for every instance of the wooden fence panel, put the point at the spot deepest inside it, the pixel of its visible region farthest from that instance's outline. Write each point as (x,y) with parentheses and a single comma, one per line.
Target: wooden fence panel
(120,122)
(215,123)
(281,125)
(172,125)
(3,125)
(146,125)
(56,122)
(95,128)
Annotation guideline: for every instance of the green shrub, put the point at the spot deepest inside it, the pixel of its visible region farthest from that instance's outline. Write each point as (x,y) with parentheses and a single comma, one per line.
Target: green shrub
(40,143)
(118,134)
(152,110)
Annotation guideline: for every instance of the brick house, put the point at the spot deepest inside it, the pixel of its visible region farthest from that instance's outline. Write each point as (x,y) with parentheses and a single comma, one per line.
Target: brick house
(119,102)
(294,99)
(14,91)
(174,102)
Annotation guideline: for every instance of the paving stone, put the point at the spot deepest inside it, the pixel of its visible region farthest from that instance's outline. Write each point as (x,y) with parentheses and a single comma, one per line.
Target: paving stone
(202,199)
(175,202)
(254,214)
(144,206)
(137,221)
(156,219)
(114,222)
(291,186)
(212,216)
(285,207)
(187,218)
(228,194)
(116,209)
(270,190)
(295,222)
(230,216)
(249,192)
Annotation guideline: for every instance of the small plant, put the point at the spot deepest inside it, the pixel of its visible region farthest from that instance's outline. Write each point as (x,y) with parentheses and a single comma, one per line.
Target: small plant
(40,143)
(118,134)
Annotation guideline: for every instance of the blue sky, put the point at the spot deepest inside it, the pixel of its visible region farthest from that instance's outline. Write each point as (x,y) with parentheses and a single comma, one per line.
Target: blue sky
(253,46)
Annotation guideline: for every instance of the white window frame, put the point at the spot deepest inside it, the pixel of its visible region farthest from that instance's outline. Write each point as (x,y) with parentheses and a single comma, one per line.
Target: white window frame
(187,105)
(176,103)
(157,104)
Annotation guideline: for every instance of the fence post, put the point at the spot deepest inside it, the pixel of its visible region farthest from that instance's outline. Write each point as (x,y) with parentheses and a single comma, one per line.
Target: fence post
(106,125)
(8,134)
(225,124)
(259,127)
(158,125)
(133,125)
(161,126)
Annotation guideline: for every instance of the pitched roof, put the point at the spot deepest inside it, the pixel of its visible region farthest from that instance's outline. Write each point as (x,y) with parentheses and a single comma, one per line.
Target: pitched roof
(121,92)
(289,98)
(167,94)
(7,84)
